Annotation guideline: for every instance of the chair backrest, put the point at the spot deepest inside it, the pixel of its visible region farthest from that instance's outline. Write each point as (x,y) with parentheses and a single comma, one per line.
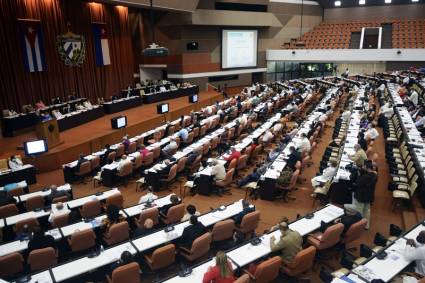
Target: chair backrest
(256,151)
(63,198)
(85,168)
(126,170)
(34,202)
(228,179)
(181,164)
(268,270)
(16,192)
(118,233)
(242,161)
(148,159)
(90,209)
(119,151)
(152,213)
(11,264)
(223,230)
(190,137)
(115,199)
(112,155)
(42,259)
(138,162)
(60,220)
(95,162)
(294,179)
(31,222)
(129,273)
(243,279)
(302,261)
(174,214)
(195,165)
(250,221)
(331,236)
(8,210)
(163,256)
(173,172)
(82,240)
(132,147)
(3,164)
(201,246)
(355,231)
(156,152)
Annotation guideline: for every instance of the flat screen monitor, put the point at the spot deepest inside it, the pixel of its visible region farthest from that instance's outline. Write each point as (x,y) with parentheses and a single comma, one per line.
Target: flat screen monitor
(162,108)
(193,98)
(119,122)
(239,48)
(35,147)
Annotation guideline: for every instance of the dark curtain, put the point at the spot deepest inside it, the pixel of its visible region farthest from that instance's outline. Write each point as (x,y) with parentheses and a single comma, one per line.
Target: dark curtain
(19,87)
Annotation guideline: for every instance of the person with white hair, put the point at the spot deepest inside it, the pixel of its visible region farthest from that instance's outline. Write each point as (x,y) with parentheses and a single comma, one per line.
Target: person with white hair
(218,171)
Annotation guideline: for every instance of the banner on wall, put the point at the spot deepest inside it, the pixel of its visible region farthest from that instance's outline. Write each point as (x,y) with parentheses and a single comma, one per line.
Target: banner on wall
(71,48)
(101,44)
(32,45)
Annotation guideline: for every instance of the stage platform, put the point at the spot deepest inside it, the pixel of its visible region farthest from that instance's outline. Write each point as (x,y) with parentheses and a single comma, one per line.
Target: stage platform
(94,135)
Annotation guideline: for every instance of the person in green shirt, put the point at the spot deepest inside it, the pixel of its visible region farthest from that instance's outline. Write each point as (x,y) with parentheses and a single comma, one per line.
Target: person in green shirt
(290,242)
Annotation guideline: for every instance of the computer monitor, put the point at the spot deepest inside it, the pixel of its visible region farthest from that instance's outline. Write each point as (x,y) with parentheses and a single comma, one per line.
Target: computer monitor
(119,122)
(162,108)
(35,147)
(193,98)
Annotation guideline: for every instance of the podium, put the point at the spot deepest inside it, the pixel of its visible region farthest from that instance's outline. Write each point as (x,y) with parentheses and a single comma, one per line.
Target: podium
(49,130)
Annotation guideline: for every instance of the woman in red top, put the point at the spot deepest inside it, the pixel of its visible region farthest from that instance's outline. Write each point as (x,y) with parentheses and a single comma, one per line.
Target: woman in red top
(222,272)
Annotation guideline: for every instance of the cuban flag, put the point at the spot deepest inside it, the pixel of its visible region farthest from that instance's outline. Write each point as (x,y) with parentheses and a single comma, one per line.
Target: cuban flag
(101,44)
(32,45)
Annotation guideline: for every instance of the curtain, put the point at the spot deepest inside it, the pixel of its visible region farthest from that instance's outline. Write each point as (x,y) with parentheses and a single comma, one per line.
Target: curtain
(19,87)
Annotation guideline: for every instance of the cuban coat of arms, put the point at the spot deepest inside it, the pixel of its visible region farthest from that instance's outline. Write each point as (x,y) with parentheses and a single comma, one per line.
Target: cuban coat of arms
(71,48)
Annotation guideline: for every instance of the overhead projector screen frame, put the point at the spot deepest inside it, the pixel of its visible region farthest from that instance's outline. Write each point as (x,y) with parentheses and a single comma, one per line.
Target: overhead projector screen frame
(224,56)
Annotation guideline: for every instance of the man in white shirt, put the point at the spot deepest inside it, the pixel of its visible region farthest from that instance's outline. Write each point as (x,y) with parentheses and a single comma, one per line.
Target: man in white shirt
(414,97)
(277,128)
(323,118)
(124,161)
(15,163)
(420,121)
(170,147)
(327,175)
(371,133)
(218,171)
(268,136)
(346,115)
(415,251)
(149,197)
(243,120)
(304,144)
(58,209)
(387,110)
(406,80)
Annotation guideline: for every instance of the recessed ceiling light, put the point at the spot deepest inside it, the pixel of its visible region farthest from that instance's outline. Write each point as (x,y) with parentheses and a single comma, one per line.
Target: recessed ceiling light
(362,2)
(337,3)
(387,1)
(415,0)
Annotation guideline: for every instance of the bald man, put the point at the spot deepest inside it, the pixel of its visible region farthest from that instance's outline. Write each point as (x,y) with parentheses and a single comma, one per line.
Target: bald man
(290,242)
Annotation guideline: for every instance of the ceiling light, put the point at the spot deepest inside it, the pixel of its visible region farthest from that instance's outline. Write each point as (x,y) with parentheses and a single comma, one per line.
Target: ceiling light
(415,0)
(337,3)
(362,2)
(387,1)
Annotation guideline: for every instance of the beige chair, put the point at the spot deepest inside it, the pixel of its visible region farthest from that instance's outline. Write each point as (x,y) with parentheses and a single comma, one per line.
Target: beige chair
(137,163)
(129,273)
(301,263)
(125,172)
(8,210)
(95,163)
(223,230)
(171,176)
(148,159)
(227,180)
(156,152)
(60,221)
(82,240)
(34,202)
(117,233)
(11,264)
(112,156)
(181,164)
(267,271)
(115,199)
(131,147)
(119,151)
(249,222)
(31,222)
(327,239)
(42,259)
(150,213)
(200,248)
(161,257)
(242,161)
(84,170)
(91,209)
(174,214)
